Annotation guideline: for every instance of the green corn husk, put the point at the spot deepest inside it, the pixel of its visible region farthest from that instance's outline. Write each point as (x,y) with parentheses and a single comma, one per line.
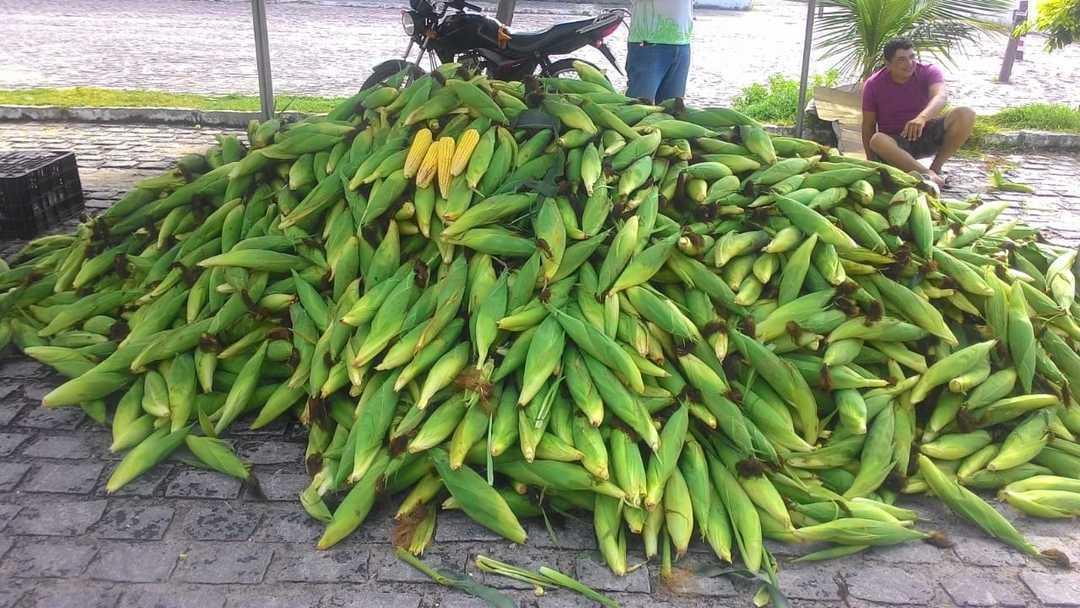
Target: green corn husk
(632,317)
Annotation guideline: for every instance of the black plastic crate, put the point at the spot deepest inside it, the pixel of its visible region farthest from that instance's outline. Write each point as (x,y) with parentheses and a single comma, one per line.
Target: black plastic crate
(38,190)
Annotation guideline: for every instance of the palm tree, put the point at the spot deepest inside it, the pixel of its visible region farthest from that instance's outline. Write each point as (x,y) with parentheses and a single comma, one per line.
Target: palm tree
(854,32)
(1060,21)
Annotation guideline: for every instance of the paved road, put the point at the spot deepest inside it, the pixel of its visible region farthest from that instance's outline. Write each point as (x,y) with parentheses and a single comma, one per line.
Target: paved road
(320,49)
(185,537)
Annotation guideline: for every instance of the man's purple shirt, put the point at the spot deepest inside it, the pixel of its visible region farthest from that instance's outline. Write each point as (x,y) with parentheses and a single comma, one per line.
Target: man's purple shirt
(895,104)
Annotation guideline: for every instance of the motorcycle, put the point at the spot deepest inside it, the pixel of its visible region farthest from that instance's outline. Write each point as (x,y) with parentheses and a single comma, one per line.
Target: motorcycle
(482,43)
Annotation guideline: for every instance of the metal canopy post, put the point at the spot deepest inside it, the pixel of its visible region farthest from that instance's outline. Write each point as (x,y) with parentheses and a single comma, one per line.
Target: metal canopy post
(505,11)
(805,74)
(1013,50)
(262,58)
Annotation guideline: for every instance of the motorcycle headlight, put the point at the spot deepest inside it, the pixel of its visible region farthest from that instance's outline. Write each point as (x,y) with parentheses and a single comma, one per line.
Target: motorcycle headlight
(407,23)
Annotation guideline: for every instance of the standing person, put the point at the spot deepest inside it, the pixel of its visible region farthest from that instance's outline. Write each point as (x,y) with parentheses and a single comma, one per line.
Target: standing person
(901,104)
(658,58)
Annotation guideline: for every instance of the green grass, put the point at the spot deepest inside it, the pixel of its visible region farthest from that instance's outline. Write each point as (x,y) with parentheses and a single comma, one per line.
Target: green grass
(94,97)
(1052,117)
(777,102)
(1037,116)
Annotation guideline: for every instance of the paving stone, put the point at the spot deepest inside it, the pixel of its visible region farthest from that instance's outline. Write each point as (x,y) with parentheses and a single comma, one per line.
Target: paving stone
(10,597)
(202,484)
(23,368)
(458,599)
(643,600)
(281,486)
(274,429)
(37,391)
(1053,589)
(686,582)
(1039,527)
(909,553)
(977,587)
(569,534)
(293,526)
(379,525)
(7,513)
(889,585)
(58,518)
(592,571)
(224,563)
(124,562)
(306,565)
(63,418)
(147,484)
(5,545)
(53,559)
(268,597)
(11,473)
(388,568)
(172,597)
(220,522)
(271,452)
(810,582)
(134,522)
(457,527)
(64,478)
(986,552)
(70,594)
(296,432)
(72,447)
(779,549)
(7,389)
(9,442)
(343,599)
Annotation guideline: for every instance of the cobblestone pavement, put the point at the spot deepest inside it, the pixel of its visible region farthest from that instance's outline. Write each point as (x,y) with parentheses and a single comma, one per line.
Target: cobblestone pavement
(329,49)
(181,536)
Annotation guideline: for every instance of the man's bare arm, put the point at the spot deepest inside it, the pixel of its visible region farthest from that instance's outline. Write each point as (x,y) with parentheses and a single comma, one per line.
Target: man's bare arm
(869,127)
(938,98)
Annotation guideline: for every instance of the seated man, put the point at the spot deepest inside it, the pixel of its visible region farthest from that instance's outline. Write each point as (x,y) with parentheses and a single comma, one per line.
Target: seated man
(900,103)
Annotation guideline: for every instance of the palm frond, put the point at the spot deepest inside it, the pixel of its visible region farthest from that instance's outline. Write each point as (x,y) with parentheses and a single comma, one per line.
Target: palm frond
(853,33)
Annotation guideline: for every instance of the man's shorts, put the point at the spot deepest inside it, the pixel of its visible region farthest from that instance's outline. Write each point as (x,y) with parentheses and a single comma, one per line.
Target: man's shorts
(933,135)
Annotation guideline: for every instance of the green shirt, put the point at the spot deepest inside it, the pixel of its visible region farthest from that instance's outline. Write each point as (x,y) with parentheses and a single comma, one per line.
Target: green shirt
(661,21)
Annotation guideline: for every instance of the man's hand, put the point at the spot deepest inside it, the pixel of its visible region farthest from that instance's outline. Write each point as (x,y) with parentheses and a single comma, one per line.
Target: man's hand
(913,129)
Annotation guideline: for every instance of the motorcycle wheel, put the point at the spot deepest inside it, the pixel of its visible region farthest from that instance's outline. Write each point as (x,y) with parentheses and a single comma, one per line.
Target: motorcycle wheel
(564,68)
(387,69)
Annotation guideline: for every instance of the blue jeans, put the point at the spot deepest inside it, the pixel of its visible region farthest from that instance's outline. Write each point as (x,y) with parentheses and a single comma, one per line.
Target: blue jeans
(657,71)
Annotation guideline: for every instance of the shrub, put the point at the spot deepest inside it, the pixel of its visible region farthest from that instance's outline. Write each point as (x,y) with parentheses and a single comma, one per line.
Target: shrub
(777,101)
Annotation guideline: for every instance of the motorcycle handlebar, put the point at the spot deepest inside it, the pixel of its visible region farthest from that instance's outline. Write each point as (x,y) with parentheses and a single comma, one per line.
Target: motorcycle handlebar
(462,4)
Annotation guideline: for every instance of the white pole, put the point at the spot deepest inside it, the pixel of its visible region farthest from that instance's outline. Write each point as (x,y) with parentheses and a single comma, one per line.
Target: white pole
(805,75)
(504,11)
(262,58)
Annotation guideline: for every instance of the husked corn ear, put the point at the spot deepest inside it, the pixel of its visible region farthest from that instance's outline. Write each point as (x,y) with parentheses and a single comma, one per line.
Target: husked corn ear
(417,152)
(466,144)
(445,158)
(429,166)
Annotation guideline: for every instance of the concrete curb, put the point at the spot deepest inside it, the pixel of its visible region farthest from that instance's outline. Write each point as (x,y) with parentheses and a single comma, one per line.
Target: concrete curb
(157,116)
(1036,140)
(1029,140)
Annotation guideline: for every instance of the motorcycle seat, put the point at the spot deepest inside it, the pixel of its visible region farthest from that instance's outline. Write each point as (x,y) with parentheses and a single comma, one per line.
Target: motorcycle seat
(529,42)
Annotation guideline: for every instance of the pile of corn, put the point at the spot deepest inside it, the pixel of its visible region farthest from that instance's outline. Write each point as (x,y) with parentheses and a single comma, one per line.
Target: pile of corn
(657,314)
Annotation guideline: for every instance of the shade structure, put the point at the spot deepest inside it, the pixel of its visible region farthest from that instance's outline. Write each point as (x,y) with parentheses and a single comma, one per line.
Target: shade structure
(804,75)
(262,58)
